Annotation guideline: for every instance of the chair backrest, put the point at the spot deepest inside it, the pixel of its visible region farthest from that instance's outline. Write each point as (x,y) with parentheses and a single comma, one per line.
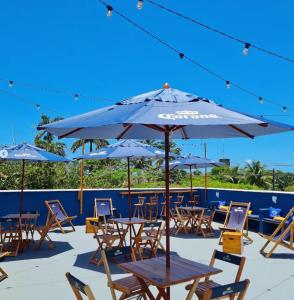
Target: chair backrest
(229,258)
(79,287)
(227,290)
(114,254)
(141,200)
(154,199)
(196,199)
(56,209)
(236,216)
(180,199)
(285,225)
(102,207)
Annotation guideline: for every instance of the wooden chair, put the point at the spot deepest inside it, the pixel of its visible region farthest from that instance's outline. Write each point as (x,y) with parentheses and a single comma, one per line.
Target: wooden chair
(30,226)
(10,237)
(139,208)
(203,287)
(105,239)
(232,290)
(206,223)
(181,220)
(128,286)
(194,201)
(79,287)
(236,220)
(163,205)
(56,210)
(151,208)
(150,239)
(283,235)
(3,274)
(179,201)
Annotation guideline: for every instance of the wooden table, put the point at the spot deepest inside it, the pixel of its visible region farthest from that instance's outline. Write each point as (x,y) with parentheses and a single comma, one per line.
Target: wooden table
(130,224)
(155,273)
(195,213)
(28,218)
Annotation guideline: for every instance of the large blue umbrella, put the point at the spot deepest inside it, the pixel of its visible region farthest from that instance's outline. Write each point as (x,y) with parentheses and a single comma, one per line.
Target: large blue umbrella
(125,149)
(160,114)
(193,162)
(25,152)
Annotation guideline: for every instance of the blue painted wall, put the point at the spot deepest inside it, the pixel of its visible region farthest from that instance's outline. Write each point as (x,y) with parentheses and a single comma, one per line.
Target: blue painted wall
(34,200)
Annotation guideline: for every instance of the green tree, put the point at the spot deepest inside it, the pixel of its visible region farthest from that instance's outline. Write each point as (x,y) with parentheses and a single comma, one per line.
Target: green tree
(98,143)
(256,174)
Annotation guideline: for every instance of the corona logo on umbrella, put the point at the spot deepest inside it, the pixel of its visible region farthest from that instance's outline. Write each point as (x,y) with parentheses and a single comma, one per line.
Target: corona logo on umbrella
(187,114)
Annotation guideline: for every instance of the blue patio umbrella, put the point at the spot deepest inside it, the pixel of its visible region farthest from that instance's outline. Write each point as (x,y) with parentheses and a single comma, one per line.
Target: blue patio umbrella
(126,149)
(193,162)
(163,114)
(25,152)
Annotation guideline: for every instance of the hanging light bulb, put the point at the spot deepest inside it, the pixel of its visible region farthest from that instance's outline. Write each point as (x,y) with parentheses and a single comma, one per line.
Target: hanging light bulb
(260,99)
(76,96)
(10,83)
(284,108)
(181,55)
(109,11)
(38,106)
(228,84)
(246,48)
(140,4)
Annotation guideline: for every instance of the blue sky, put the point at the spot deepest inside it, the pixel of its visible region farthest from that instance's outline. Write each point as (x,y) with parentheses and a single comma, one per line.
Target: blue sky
(72,46)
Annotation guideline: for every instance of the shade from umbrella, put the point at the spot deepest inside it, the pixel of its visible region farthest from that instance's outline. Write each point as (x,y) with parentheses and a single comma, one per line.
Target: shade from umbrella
(161,114)
(126,149)
(25,152)
(193,162)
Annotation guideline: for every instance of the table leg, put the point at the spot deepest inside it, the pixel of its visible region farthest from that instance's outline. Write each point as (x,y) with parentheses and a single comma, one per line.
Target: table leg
(146,289)
(193,289)
(162,294)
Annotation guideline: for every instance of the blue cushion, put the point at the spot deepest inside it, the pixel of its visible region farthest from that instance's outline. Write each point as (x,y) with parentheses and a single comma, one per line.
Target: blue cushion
(274,212)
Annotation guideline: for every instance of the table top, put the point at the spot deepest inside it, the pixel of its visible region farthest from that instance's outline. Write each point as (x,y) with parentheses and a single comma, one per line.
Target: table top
(129,221)
(181,270)
(191,208)
(16,216)
(157,192)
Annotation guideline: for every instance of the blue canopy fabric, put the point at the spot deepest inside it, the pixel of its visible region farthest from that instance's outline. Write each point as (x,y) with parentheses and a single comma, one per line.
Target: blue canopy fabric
(143,116)
(195,162)
(125,149)
(29,153)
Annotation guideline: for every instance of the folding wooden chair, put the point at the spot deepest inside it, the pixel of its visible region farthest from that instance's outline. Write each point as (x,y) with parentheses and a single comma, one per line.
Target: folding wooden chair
(194,201)
(151,209)
(232,290)
(3,274)
(283,235)
(128,286)
(203,287)
(150,239)
(206,223)
(79,287)
(181,220)
(236,220)
(56,210)
(44,236)
(139,208)
(179,201)
(10,237)
(105,240)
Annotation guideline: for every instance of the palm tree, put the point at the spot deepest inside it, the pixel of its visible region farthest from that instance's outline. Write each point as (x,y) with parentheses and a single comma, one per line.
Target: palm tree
(256,174)
(99,143)
(45,140)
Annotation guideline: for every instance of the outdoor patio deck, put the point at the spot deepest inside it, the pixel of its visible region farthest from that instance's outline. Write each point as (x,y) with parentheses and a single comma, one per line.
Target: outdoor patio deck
(40,274)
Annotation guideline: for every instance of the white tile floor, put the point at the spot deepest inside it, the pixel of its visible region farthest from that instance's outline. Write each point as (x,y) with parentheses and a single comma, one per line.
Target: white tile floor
(39,275)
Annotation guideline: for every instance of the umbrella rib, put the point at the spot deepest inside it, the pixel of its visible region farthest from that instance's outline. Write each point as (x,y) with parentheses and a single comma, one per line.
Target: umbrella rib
(69,133)
(184,133)
(128,127)
(242,131)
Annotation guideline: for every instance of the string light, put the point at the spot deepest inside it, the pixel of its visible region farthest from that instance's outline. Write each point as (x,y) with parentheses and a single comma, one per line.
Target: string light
(284,108)
(10,83)
(109,11)
(191,60)
(246,48)
(223,34)
(260,99)
(76,97)
(38,106)
(140,4)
